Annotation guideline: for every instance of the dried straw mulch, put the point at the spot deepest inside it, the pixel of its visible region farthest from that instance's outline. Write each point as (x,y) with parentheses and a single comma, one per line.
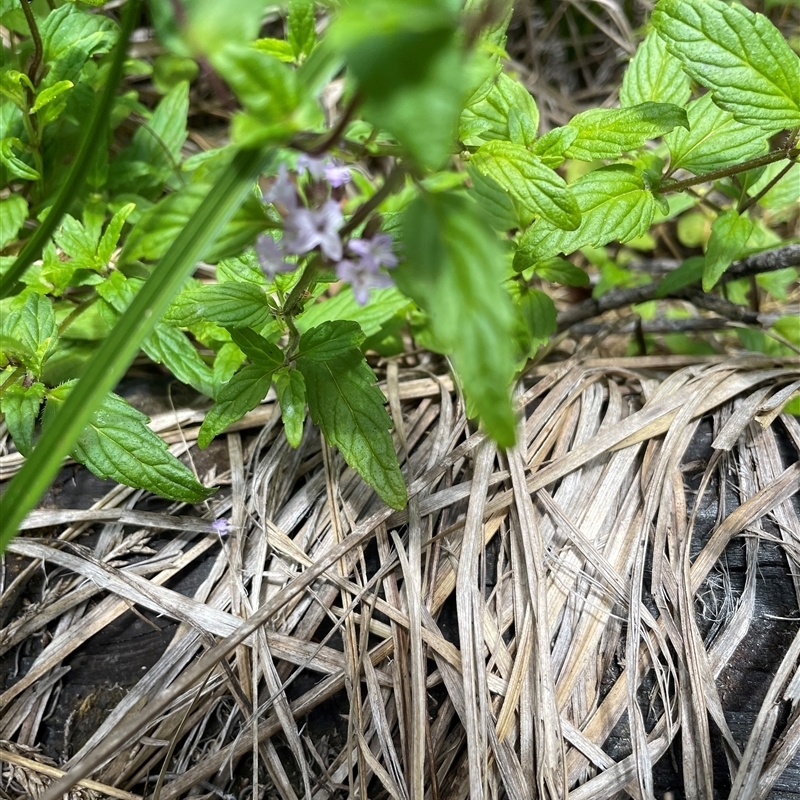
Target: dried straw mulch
(574,565)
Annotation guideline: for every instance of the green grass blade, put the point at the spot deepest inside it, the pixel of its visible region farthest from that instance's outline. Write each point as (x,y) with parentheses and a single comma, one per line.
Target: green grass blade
(116,353)
(71,186)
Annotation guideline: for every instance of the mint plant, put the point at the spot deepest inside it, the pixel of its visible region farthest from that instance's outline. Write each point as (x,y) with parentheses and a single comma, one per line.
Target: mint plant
(475,214)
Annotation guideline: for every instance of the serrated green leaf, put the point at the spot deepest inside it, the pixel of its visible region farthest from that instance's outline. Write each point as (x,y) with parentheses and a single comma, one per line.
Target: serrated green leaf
(714,140)
(16,166)
(729,235)
(654,75)
(20,405)
(539,315)
(689,272)
(77,242)
(167,345)
(559,270)
(232,305)
(614,206)
(551,147)
(329,340)
(243,268)
(229,359)
(609,132)
(383,305)
(160,225)
(51,93)
(489,118)
(277,48)
(245,390)
(496,205)
(291,389)
(301,27)
(740,56)
(117,444)
(349,409)
(259,350)
(454,269)
(408,63)
(537,187)
(13,213)
(33,325)
(110,238)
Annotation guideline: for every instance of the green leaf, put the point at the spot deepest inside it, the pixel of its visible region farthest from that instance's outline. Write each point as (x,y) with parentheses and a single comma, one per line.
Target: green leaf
(243,268)
(689,272)
(110,238)
(49,94)
(291,389)
(245,390)
(538,188)
(714,140)
(167,345)
(551,147)
(301,27)
(229,359)
(454,269)
(33,326)
(383,305)
(259,350)
(349,409)
(729,235)
(614,206)
(784,193)
(13,213)
(77,242)
(408,63)
(654,75)
(740,56)
(211,25)
(490,118)
(16,166)
(11,85)
(330,340)
(160,225)
(558,270)
(20,405)
(539,315)
(235,305)
(497,207)
(277,48)
(117,444)
(609,132)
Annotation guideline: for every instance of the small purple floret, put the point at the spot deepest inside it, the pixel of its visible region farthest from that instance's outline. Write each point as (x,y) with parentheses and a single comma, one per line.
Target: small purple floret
(270,257)
(362,277)
(306,229)
(376,252)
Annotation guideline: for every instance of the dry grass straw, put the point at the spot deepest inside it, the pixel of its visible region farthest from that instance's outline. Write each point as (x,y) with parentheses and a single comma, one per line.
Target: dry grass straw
(572,561)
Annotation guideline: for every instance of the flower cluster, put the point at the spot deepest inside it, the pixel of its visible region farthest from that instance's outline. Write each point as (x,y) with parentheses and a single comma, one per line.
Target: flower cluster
(308,228)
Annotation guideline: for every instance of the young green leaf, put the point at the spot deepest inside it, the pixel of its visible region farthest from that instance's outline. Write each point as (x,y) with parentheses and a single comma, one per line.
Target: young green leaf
(714,140)
(609,132)
(551,147)
(490,117)
(234,305)
(559,270)
(259,350)
(349,409)
(15,165)
(454,270)
(654,75)
(276,48)
(117,444)
(614,205)
(110,238)
(245,390)
(77,242)
(729,235)
(383,305)
(301,27)
(291,389)
(740,56)
(329,340)
(20,405)
(538,188)
(33,327)
(497,207)
(13,213)
(51,93)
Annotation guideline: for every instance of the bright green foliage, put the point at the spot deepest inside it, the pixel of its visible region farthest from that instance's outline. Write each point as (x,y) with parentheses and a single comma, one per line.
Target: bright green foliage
(408,66)
(13,213)
(559,270)
(698,148)
(729,234)
(740,56)
(20,405)
(349,408)
(507,112)
(301,34)
(117,444)
(538,188)
(495,204)
(614,205)
(245,390)
(384,304)
(538,313)
(453,270)
(234,305)
(259,350)
(654,75)
(610,132)
(291,389)
(29,332)
(552,147)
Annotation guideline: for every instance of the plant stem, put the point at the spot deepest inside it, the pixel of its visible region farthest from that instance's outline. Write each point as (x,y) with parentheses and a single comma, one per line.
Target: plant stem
(33,67)
(361,214)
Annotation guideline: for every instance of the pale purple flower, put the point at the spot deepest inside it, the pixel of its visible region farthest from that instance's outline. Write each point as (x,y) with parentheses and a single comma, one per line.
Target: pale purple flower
(305,229)
(221,526)
(282,194)
(375,252)
(336,175)
(313,165)
(270,257)
(362,276)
